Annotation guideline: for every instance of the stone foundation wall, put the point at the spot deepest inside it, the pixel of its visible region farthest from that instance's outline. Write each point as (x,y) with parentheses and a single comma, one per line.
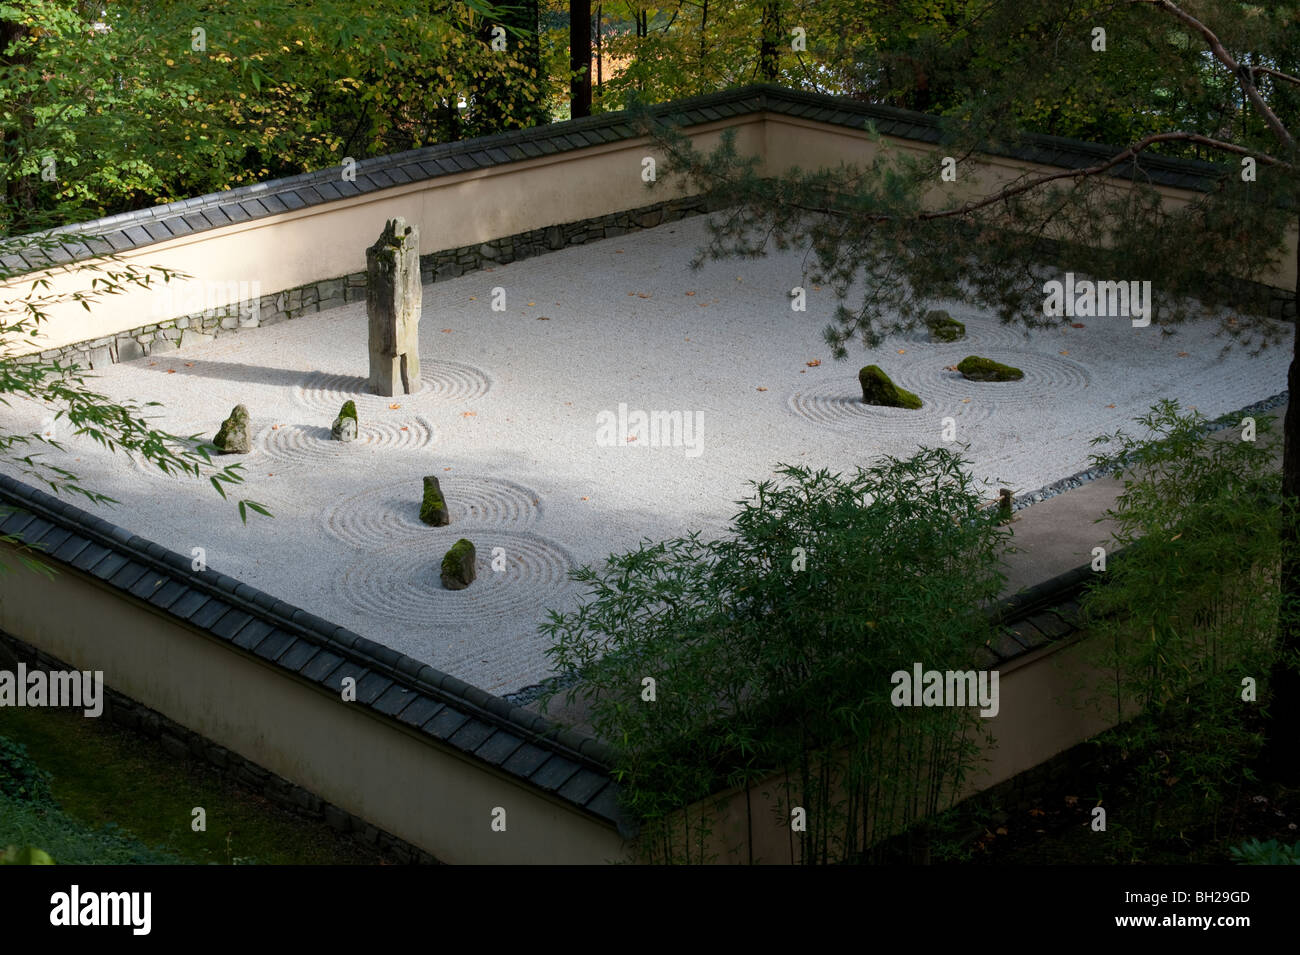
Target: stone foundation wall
(181,743)
(161,337)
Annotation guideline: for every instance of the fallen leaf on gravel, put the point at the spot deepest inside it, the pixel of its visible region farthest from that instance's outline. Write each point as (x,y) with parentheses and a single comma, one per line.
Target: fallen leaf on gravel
(1182,354)
(814,363)
(405,428)
(171,371)
(532,303)
(1078,325)
(631,293)
(902,351)
(152,363)
(965,401)
(469,414)
(394,407)
(446,331)
(1066,352)
(473,298)
(949,367)
(543,318)
(1110,406)
(275,427)
(803,371)
(690,293)
(631,438)
(189,364)
(704,305)
(584,498)
(618,251)
(446,469)
(762,389)
(642,295)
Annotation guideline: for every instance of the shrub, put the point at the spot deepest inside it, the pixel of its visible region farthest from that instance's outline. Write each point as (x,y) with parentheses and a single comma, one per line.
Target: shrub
(1254,852)
(20,778)
(69,842)
(1188,611)
(773,650)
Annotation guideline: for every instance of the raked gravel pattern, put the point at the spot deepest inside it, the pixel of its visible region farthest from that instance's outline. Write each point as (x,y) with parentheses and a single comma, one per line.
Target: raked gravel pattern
(506,418)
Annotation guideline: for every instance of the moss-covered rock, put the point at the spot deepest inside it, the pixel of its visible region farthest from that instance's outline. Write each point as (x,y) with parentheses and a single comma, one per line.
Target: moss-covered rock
(877,389)
(974,368)
(433,508)
(943,327)
(233,437)
(458,565)
(345,425)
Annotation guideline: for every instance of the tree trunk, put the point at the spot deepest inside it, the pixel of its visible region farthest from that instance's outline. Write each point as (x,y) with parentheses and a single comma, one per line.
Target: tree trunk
(580,58)
(1282,750)
(769,63)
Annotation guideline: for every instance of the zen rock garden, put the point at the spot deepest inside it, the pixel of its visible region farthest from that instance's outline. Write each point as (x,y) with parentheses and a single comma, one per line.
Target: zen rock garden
(393,302)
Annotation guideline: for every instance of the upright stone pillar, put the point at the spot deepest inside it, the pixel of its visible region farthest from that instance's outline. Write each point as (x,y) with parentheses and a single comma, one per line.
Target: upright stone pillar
(393,304)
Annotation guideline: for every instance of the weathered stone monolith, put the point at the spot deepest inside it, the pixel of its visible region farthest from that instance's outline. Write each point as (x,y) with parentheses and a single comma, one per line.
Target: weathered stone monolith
(393,303)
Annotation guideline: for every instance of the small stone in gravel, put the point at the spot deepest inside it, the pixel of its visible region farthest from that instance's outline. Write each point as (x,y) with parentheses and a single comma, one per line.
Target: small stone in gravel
(433,508)
(458,566)
(233,436)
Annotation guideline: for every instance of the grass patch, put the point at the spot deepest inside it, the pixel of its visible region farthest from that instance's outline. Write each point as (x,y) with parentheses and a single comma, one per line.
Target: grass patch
(105,775)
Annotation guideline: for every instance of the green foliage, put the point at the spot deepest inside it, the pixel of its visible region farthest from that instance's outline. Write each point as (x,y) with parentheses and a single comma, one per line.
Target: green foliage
(773,649)
(1254,852)
(134,114)
(69,842)
(1189,610)
(20,778)
(116,425)
(28,855)
(349,410)
(888,233)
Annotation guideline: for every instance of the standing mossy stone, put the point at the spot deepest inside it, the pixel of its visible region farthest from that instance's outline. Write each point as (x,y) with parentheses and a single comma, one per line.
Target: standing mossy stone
(943,327)
(974,368)
(433,509)
(877,389)
(458,565)
(233,436)
(345,425)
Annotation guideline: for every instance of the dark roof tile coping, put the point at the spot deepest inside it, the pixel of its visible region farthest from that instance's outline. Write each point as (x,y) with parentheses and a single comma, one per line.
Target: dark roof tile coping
(606,127)
(351,646)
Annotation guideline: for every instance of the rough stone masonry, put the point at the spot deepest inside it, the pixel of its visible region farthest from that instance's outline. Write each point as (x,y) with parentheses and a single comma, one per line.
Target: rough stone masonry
(393,301)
